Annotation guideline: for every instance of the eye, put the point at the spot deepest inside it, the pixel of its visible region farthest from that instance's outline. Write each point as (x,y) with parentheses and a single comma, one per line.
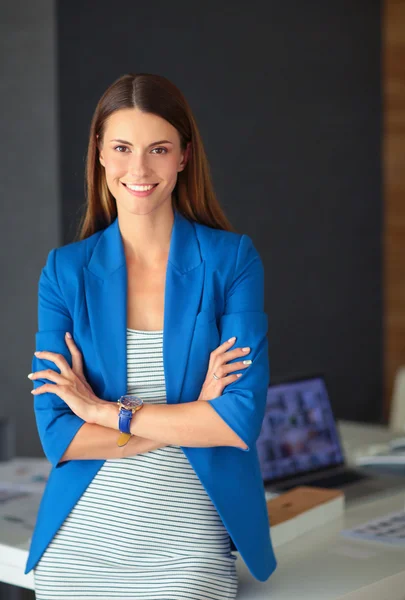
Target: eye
(125,148)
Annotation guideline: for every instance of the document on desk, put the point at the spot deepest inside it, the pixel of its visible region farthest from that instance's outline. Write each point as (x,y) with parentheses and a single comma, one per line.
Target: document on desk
(10,492)
(29,474)
(18,509)
(389,529)
(391,455)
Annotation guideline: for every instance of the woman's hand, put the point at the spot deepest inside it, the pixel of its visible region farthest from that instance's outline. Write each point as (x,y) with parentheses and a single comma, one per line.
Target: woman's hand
(70,384)
(218,358)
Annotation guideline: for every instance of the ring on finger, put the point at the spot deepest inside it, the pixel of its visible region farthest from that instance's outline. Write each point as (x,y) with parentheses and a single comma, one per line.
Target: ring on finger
(214,376)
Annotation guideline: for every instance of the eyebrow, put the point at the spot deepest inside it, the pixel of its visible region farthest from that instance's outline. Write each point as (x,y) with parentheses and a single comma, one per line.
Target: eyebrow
(152,144)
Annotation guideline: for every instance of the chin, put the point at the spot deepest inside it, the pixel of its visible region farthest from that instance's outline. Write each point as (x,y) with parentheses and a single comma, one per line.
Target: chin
(141,206)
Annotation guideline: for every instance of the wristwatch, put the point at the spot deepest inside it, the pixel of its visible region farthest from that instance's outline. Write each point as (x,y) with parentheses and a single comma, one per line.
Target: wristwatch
(128,405)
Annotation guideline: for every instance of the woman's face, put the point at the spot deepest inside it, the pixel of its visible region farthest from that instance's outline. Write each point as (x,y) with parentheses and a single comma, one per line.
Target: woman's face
(130,154)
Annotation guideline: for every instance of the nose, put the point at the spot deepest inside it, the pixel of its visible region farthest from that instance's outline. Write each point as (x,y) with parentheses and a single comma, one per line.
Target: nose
(138,165)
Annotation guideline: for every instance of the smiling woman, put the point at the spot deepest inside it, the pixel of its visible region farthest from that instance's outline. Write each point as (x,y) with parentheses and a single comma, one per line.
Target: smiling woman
(163,300)
(143,168)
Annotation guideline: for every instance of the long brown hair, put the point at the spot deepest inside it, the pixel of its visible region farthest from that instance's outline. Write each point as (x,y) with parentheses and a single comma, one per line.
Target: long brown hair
(193,195)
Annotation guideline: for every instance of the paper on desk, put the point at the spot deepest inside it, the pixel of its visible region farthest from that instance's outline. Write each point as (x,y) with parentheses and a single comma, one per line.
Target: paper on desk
(30,474)
(22,483)
(10,492)
(389,529)
(18,507)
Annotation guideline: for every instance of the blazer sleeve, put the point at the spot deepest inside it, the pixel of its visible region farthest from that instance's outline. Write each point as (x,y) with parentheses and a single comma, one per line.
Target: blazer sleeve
(57,424)
(242,403)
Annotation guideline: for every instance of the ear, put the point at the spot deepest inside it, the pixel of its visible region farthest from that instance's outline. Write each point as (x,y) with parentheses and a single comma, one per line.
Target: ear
(101,157)
(186,157)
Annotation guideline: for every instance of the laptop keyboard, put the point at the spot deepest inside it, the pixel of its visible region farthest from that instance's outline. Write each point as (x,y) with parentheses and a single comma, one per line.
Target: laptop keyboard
(333,481)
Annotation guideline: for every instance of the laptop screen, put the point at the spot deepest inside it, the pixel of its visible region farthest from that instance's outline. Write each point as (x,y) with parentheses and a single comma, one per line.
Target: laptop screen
(299,433)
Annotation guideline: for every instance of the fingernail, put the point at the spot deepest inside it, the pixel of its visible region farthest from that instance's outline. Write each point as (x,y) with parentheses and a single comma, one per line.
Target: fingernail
(239,374)
(37,352)
(68,335)
(232,339)
(246,349)
(247,362)
(29,375)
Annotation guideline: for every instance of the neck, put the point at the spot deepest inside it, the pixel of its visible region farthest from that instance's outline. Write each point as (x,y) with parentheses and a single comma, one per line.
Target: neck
(146,238)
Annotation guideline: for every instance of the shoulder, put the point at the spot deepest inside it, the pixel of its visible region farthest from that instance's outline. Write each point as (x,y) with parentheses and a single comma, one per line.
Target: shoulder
(64,263)
(78,251)
(219,246)
(75,254)
(218,239)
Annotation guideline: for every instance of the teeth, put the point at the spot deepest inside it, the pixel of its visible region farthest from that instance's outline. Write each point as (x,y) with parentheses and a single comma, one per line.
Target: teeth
(140,188)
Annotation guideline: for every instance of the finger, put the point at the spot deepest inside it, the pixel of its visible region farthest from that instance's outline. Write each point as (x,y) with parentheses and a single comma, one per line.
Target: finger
(236,353)
(63,391)
(224,346)
(59,360)
(49,387)
(48,374)
(77,360)
(233,377)
(226,357)
(236,366)
(230,378)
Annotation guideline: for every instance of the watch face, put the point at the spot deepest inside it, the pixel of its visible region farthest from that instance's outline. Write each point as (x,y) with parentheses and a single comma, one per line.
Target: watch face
(130,401)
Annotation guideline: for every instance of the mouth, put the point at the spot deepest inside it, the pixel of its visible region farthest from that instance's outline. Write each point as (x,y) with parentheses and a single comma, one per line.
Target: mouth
(139,193)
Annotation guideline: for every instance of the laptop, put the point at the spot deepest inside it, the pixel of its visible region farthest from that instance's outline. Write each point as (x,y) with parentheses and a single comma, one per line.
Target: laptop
(299,444)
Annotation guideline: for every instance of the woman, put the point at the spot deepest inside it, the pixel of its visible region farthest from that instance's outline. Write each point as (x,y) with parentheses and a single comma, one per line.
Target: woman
(156,291)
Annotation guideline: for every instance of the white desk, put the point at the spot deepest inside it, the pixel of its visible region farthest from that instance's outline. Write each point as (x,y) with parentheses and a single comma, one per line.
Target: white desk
(320,565)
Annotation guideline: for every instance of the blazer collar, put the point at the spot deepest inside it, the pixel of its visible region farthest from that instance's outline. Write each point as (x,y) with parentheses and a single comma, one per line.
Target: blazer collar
(105,286)
(184,252)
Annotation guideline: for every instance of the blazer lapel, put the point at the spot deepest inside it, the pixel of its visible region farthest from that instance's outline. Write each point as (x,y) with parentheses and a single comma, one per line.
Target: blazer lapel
(105,279)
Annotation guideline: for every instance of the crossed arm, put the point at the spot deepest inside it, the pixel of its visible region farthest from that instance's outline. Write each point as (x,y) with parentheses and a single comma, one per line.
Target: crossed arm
(232,419)
(193,424)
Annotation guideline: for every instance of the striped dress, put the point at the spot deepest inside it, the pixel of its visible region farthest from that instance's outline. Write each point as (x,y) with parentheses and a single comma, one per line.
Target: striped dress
(172,545)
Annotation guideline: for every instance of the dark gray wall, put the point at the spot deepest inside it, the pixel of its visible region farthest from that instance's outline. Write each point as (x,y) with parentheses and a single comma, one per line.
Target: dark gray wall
(30,202)
(288,100)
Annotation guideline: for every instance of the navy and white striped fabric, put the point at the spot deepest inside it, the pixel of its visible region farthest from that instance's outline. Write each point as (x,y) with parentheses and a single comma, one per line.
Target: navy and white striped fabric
(145,528)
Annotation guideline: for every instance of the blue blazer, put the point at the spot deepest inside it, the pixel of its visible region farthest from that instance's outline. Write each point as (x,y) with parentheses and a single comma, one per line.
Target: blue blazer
(214,290)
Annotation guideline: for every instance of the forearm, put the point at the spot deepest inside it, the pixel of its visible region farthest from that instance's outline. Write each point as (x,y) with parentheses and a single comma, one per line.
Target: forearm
(94,441)
(194,424)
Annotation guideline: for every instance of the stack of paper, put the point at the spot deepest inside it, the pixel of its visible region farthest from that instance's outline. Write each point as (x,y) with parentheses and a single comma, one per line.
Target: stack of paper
(301,509)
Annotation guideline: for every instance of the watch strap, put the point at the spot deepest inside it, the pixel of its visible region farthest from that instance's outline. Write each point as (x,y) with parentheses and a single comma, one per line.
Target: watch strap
(123,439)
(124,420)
